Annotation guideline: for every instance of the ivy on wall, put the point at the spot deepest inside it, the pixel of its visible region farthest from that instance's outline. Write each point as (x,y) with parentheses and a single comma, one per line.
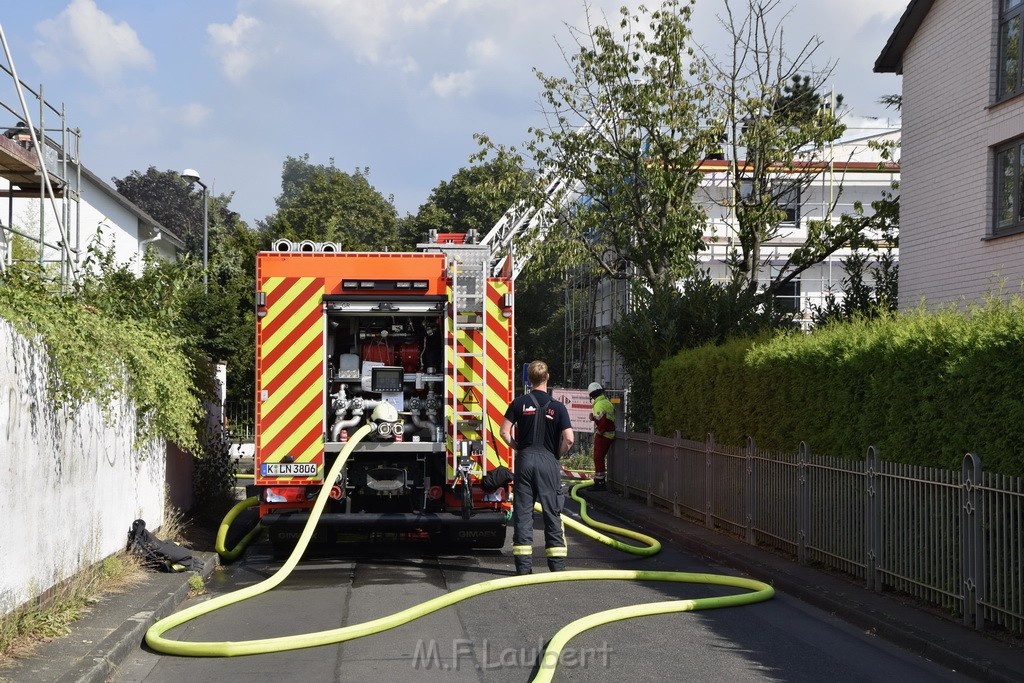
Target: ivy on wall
(115,335)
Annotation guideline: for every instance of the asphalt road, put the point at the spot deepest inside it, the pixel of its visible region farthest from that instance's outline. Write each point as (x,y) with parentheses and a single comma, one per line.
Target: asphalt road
(497,637)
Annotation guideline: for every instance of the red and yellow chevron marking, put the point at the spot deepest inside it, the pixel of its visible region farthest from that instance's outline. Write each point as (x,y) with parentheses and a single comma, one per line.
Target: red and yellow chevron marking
(498,390)
(290,371)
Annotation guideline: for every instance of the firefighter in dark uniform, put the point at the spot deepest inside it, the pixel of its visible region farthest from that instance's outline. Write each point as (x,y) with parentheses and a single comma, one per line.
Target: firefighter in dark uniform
(543,435)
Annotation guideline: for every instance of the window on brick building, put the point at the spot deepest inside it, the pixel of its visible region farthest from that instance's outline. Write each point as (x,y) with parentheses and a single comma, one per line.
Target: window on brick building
(1011,35)
(1009,195)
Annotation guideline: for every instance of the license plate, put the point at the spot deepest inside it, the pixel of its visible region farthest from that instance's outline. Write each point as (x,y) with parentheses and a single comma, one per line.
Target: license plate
(288,469)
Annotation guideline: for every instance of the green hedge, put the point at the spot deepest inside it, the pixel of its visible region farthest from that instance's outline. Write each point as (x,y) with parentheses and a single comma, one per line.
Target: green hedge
(926,388)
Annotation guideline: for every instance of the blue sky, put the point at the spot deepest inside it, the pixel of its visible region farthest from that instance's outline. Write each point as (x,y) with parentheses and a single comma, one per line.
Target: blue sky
(232,87)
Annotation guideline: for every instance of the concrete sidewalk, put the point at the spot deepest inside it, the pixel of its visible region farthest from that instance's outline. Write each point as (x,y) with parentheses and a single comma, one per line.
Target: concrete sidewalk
(111,630)
(935,637)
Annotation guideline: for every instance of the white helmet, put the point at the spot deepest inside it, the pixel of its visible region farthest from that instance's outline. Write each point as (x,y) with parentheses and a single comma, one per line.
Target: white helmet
(594,386)
(385,420)
(384,412)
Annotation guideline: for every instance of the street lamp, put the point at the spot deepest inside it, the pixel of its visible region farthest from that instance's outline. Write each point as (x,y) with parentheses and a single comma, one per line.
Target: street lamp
(192,176)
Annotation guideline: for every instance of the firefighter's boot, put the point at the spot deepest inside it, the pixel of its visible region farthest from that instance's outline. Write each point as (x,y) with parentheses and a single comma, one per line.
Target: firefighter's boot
(556,558)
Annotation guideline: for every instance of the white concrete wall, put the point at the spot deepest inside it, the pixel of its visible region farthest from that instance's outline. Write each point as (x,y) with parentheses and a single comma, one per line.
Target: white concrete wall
(950,125)
(72,484)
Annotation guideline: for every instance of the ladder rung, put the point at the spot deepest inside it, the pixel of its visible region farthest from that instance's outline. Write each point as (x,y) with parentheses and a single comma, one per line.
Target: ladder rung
(469,355)
(469,384)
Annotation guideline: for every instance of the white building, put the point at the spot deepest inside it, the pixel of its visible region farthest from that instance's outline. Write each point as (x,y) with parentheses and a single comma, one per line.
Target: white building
(854,171)
(962,202)
(74,210)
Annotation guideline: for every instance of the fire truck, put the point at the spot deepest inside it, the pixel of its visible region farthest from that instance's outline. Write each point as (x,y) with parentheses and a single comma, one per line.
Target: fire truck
(417,344)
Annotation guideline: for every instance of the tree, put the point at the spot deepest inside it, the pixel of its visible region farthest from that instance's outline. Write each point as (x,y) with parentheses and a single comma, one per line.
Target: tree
(474,199)
(626,135)
(221,321)
(778,129)
(324,204)
(626,132)
(170,200)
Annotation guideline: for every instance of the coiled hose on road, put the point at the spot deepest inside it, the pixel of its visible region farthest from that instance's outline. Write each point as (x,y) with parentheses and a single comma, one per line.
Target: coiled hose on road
(552,654)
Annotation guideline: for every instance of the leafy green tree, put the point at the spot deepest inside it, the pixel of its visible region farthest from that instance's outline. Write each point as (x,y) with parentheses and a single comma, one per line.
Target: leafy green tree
(618,158)
(324,204)
(474,199)
(221,321)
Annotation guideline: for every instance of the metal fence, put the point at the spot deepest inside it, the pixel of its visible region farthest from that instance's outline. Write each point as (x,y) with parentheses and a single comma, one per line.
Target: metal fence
(952,539)
(240,420)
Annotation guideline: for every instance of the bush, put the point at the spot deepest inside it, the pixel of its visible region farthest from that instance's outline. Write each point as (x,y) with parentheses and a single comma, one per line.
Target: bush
(925,387)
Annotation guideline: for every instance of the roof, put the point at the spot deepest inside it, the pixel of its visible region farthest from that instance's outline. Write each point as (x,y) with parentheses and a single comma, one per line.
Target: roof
(143,217)
(891,58)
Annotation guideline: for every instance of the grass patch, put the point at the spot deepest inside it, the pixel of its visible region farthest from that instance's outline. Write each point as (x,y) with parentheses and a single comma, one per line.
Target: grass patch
(51,615)
(196,586)
(581,459)
(175,526)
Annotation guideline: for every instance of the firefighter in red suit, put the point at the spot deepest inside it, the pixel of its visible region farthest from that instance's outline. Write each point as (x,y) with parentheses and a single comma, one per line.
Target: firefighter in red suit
(603,417)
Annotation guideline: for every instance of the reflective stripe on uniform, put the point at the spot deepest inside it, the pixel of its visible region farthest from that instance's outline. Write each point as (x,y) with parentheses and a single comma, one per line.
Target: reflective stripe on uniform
(560,551)
(607,435)
(522,550)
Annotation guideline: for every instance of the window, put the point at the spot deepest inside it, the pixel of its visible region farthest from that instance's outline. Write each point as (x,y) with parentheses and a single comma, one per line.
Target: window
(787,297)
(1011,16)
(789,201)
(1009,195)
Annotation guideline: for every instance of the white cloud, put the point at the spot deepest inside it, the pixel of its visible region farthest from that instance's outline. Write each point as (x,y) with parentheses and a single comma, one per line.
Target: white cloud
(458,83)
(232,43)
(84,38)
(371,28)
(193,114)
(482,50)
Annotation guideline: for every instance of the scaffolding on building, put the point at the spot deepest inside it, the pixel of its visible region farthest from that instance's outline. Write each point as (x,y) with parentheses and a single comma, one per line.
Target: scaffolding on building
(39,164)
(593,304)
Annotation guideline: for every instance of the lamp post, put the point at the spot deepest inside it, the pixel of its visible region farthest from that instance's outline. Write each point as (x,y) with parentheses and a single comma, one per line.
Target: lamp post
(192,176)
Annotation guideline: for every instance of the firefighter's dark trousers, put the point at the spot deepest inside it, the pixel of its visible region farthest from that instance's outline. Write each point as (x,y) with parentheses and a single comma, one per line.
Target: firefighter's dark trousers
(538,478)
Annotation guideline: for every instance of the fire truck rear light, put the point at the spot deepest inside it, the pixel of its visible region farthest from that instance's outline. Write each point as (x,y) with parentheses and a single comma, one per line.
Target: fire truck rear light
(285,494)
(435,493)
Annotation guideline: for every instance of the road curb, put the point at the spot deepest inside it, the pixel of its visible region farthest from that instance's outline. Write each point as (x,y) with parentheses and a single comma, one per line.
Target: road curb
(111,652)
(948,643)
